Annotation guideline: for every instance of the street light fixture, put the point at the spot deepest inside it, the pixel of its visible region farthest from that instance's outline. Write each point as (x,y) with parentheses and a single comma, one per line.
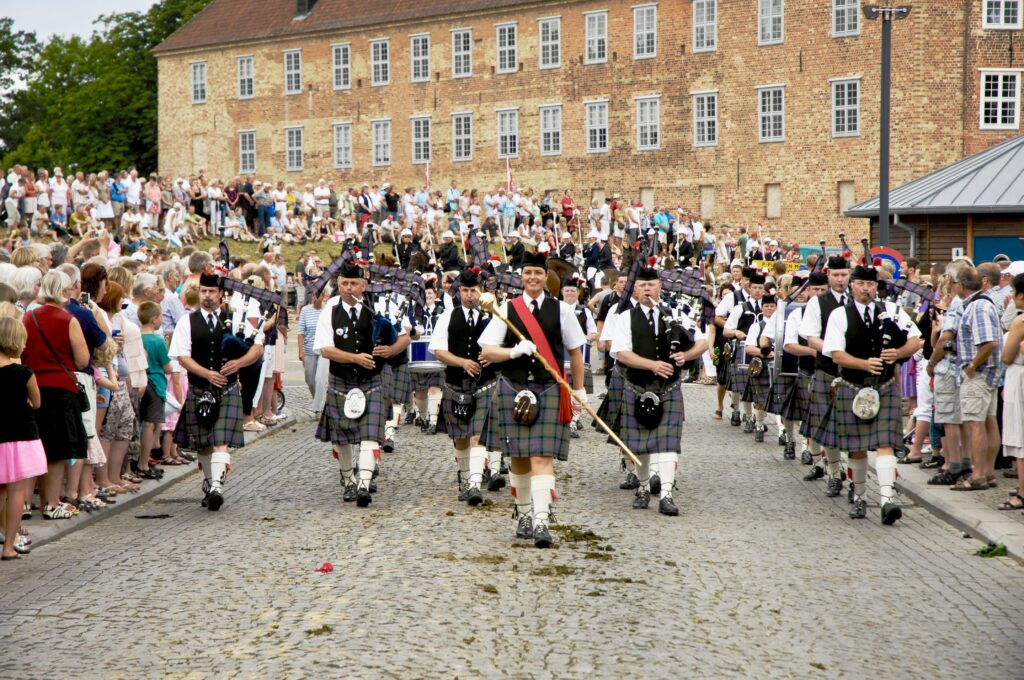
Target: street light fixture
(887,14)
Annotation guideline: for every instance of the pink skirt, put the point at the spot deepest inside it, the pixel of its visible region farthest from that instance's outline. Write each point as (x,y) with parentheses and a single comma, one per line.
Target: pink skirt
(21,460)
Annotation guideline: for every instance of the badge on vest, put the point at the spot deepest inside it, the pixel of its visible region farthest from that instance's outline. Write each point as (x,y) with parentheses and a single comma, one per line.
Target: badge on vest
(342,332)
(355,404)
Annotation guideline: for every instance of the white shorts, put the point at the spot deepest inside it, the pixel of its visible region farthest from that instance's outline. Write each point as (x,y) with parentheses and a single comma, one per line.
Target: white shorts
(925,397)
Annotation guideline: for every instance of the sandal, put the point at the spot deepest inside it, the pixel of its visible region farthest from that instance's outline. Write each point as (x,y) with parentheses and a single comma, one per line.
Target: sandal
(56,512)
(970,484)
(172,461)
(1010,505)
(150,473)
(718,414)
(254,426)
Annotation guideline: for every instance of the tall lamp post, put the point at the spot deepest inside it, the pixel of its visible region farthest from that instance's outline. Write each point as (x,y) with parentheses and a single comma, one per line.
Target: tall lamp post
(887,14)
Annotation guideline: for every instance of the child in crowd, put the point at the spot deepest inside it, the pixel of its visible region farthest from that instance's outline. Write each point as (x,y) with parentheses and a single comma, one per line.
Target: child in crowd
(152,407)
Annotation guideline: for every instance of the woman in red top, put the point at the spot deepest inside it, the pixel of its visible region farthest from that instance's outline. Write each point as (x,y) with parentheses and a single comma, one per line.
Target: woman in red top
(568,206)
(54,351)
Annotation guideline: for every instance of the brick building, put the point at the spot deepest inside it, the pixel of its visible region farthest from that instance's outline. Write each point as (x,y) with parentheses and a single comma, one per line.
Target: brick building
(748,110)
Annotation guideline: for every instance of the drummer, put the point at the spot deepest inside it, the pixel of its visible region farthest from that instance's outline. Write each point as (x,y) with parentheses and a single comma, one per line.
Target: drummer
(397,379)
(759,344)
(427,384)
(571,296)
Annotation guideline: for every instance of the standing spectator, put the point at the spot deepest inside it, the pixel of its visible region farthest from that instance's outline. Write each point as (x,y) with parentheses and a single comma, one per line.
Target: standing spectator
(59,190)
(309,356)
(1013,392)
(151,409)
(322,198)
(171,306)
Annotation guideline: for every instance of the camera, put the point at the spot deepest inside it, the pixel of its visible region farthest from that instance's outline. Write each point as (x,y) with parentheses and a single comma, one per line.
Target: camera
(85,299)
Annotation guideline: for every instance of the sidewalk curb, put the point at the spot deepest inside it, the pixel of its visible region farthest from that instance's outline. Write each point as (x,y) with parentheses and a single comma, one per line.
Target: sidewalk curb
(962,511)
(44,532)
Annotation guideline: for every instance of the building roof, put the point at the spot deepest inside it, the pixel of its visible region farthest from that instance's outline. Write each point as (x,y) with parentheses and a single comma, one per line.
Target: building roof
(230,21)
(991,181)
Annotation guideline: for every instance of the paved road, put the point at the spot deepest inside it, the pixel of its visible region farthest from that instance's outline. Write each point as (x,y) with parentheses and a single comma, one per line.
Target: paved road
(761,576)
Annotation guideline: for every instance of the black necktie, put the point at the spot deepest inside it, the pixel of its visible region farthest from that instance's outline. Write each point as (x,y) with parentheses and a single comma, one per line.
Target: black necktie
(536,307)
(842,300)
(650,320)
(210,322)
(354,315)
(472,319)
(867,316)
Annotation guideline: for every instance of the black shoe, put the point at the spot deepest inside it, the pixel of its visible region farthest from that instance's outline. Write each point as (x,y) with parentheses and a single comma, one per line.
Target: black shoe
(432,429)
(642,500)
(782,439)
(215,500)
(541,536)
(860,509)
(463,492)
(487,477)
(789,453)
(850,496)
(496,483)
(734,420)
(748,427)
(655,484)
(890,513)
(206,499)
(388,446)
(350,493)
(813,474)
(376,470)
(373,486)
(410,418)
(419,421)
(504,467)
(806,457)
(473,496)
(834,487)
(943,478)
(759,435)
(933,462)
(524,529)
(667,506)
(363,497)
(632,482)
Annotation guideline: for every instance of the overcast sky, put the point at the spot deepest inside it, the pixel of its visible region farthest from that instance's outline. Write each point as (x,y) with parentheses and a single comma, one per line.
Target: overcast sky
(66,17)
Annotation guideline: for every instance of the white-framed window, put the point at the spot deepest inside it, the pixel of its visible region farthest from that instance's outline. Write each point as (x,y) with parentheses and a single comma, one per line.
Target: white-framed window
(705,119)
(596,126)
(198,82)
(596,30)
(771,113)
(645,32)
(508,133)
(419,51)
(381,137)
(846,108)
(246,151)
(341,65)
(462,53)
(420,139)
(507,48)
(845,18)
(705,25)
(380,62)
(293,72)
(551,130)
(343,145)
(1002,14)
(246,74)
(549,35)
(462,136)
(1000,100)
(770,15)
(294,157)
(648,123)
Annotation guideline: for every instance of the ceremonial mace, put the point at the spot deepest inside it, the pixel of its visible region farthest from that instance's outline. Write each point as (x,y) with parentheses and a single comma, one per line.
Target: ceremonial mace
(490,305)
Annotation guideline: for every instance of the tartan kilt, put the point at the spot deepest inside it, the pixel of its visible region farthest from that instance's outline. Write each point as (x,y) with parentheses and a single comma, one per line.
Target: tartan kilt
(397,383)
(759,388)
(738,377)
(335,428)
(667,437)
(814,424)
(422,381)
(461,429)
(885,429)
(790,396)
(611,404)
(588,377)
(190,435)
(546,437)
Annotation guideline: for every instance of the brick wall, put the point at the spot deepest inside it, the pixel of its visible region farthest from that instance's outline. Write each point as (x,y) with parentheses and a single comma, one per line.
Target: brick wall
(930,127)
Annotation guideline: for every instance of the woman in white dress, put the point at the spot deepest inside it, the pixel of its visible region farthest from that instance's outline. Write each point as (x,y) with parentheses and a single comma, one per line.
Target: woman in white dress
(1013,393)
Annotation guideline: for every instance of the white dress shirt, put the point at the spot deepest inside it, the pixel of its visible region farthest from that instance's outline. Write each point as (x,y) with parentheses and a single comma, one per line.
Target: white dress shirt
(810,326)
(572,334)
(622,341)
(835,334)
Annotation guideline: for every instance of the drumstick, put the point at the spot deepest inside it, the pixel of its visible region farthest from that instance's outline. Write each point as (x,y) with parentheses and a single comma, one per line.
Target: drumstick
(490,304)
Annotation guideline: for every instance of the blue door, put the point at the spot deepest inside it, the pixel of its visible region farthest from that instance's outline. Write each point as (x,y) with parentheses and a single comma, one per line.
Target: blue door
(987,247)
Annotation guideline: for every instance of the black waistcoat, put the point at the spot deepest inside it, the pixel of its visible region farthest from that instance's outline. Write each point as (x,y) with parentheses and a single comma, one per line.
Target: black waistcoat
(463,343)
(528,369)
(206,346)
(581,316)
(356,338)
(805,361)
(827,303)
(861,342)
(649,346)
(747,317)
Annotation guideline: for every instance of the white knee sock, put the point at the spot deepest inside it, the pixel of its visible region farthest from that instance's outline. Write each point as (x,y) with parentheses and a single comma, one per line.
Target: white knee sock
(734,397)
(343,452)
(542,489)
(433,404)
(494,462)
(791,430)
(462,461)
(747,409)
(219,462)
(477,461)
(860,475)
(628,463)
(521,492)
(759,417)
(834,462)
(367,461)
(396,413)
(667,463)
(643,470)
(885,468)
(421,407)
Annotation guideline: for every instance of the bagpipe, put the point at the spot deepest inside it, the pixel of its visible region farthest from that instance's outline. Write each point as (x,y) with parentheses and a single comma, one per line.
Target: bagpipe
(235,343)
(395,279)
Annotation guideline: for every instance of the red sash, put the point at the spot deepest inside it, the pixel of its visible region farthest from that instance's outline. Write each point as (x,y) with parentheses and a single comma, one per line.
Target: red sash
(538,338)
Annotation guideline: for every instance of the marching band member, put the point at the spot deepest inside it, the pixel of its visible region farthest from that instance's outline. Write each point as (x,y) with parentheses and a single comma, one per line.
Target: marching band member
(741,280)
(570,292)
(741,318)
(397,378)
(760,345)
(211,418)
(427,386)
(652,403)
(865,340)
(530,412)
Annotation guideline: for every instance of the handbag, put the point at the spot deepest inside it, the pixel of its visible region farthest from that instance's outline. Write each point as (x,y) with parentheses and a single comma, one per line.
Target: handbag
(83,398)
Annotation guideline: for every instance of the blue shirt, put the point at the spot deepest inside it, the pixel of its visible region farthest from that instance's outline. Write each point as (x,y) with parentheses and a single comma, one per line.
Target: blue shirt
(117,191)
(979,325)
(94,335)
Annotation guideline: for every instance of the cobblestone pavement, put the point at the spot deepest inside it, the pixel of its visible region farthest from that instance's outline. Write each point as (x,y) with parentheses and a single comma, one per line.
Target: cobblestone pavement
(761,576)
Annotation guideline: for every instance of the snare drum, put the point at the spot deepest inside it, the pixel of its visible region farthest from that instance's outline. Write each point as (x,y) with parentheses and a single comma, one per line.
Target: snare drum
(421,359)
(586,356)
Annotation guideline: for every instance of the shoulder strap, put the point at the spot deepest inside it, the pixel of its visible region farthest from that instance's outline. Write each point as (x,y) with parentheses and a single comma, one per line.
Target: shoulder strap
(53,352)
